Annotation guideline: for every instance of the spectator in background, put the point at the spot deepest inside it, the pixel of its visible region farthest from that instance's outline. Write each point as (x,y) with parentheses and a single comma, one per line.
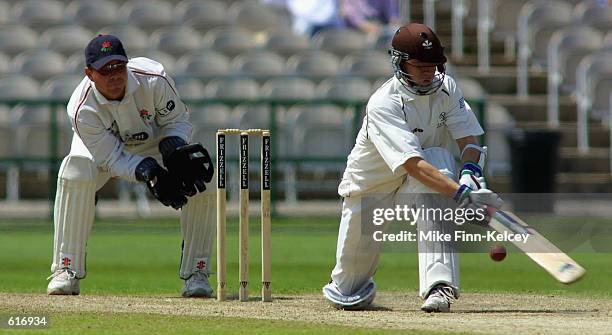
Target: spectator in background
(311,16)
(376,18)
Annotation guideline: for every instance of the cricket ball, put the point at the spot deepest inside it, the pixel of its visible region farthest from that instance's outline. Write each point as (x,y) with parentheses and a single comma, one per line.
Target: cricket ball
(497,253)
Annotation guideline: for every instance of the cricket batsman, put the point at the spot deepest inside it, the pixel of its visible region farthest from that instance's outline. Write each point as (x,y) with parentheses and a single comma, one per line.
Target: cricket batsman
(400,150)
(129,122)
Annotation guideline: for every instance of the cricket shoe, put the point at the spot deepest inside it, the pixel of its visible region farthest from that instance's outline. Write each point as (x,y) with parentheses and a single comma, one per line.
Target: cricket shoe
(197,286)
(63,282)
(359,300)
(439,299)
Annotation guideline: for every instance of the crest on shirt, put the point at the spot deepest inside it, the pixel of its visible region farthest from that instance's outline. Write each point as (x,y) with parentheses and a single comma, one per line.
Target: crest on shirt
(145,115)
(442,120)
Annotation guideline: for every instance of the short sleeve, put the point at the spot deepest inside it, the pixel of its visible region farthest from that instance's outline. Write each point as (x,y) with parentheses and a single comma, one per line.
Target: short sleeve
(460,119)
(392,137)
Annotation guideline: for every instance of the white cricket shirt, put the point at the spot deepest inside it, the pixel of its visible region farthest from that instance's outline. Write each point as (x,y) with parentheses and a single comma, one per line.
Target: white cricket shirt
(113,131)
(397,126)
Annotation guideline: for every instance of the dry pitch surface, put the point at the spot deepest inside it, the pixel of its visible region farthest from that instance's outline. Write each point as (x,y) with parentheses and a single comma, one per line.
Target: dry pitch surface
(473,313)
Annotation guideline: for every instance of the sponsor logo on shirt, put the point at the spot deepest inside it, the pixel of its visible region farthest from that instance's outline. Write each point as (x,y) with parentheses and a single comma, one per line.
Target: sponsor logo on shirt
(462,103)
(441,120)
(417,130)
(170,105)
(132,139)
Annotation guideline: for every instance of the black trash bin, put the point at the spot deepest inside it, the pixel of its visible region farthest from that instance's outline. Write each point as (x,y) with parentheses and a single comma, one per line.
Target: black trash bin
(535,162)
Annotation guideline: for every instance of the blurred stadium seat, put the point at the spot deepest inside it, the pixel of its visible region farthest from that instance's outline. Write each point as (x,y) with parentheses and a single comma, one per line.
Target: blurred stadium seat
(202,15)
(594,14)
(565,51)
(345,88)
(207,120)
(39,64)
(594,83)
(230,41)
(315,64)
(256,16)
(66,39)
(93,14)
(289,88)
(15,39)
(18,86)
(258,65)
(205,64)
(505,15)
(176,40)
(189,88)
(5,15)
(133,38)
(287,43)
(147,14)
(537,22)
(5,64)
(371,64)
(341,41)
(39,14)
(61,87)
(75,64)
(233,88)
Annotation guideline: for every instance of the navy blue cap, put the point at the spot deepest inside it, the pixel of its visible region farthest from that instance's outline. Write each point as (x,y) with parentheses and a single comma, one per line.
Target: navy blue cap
(103,49)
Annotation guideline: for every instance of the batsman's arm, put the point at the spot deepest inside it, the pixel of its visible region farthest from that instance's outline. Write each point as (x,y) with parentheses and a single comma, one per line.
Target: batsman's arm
(470,154)
(427,174)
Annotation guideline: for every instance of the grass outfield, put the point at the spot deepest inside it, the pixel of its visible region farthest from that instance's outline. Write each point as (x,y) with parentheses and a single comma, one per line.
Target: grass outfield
(140,257)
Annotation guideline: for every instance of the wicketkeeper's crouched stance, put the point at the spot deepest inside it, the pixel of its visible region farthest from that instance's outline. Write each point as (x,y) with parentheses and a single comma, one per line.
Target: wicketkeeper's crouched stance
(130,123)
(401,149)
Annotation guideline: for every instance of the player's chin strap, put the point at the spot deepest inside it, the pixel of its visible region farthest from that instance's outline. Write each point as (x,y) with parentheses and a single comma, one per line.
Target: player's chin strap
(483,153)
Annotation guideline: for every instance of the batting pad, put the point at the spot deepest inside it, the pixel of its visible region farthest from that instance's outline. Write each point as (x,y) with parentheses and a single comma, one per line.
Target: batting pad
(73,213)
(198,229)
(438,260)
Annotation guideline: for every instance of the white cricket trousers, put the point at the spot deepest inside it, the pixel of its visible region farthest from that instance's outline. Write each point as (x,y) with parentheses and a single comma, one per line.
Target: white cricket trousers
(357,252)
(79,179)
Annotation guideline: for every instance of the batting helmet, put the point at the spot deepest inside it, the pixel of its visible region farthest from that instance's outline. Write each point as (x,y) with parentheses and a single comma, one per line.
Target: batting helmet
(419,42)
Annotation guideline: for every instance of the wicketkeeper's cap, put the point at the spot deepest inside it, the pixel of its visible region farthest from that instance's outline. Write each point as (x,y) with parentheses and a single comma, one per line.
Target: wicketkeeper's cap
(103,49)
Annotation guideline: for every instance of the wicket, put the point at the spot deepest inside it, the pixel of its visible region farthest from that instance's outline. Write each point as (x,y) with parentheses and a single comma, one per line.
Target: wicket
(266,291)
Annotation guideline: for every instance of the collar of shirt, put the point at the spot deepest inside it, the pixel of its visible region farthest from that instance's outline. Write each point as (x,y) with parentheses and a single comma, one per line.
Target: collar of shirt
(132,85)
(406,95)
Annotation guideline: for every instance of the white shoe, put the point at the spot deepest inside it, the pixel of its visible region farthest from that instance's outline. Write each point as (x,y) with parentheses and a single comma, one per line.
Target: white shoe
(439,299)
(197,286)
(63,282)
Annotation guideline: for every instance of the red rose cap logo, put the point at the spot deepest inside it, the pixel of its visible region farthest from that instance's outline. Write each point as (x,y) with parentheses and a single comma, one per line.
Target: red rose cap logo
(106,46)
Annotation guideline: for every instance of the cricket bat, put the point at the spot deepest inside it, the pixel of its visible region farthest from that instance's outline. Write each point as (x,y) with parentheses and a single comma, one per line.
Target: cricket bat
(538,248)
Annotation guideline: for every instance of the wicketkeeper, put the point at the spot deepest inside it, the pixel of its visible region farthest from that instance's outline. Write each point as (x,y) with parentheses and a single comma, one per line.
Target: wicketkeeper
(130,123)
(400,150)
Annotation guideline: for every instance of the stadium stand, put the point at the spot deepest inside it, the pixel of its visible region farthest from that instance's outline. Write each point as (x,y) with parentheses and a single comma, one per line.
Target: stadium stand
(245,50)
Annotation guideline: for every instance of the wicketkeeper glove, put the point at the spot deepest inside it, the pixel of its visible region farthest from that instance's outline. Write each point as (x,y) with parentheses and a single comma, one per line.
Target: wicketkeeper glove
(190,163)
(160,183)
